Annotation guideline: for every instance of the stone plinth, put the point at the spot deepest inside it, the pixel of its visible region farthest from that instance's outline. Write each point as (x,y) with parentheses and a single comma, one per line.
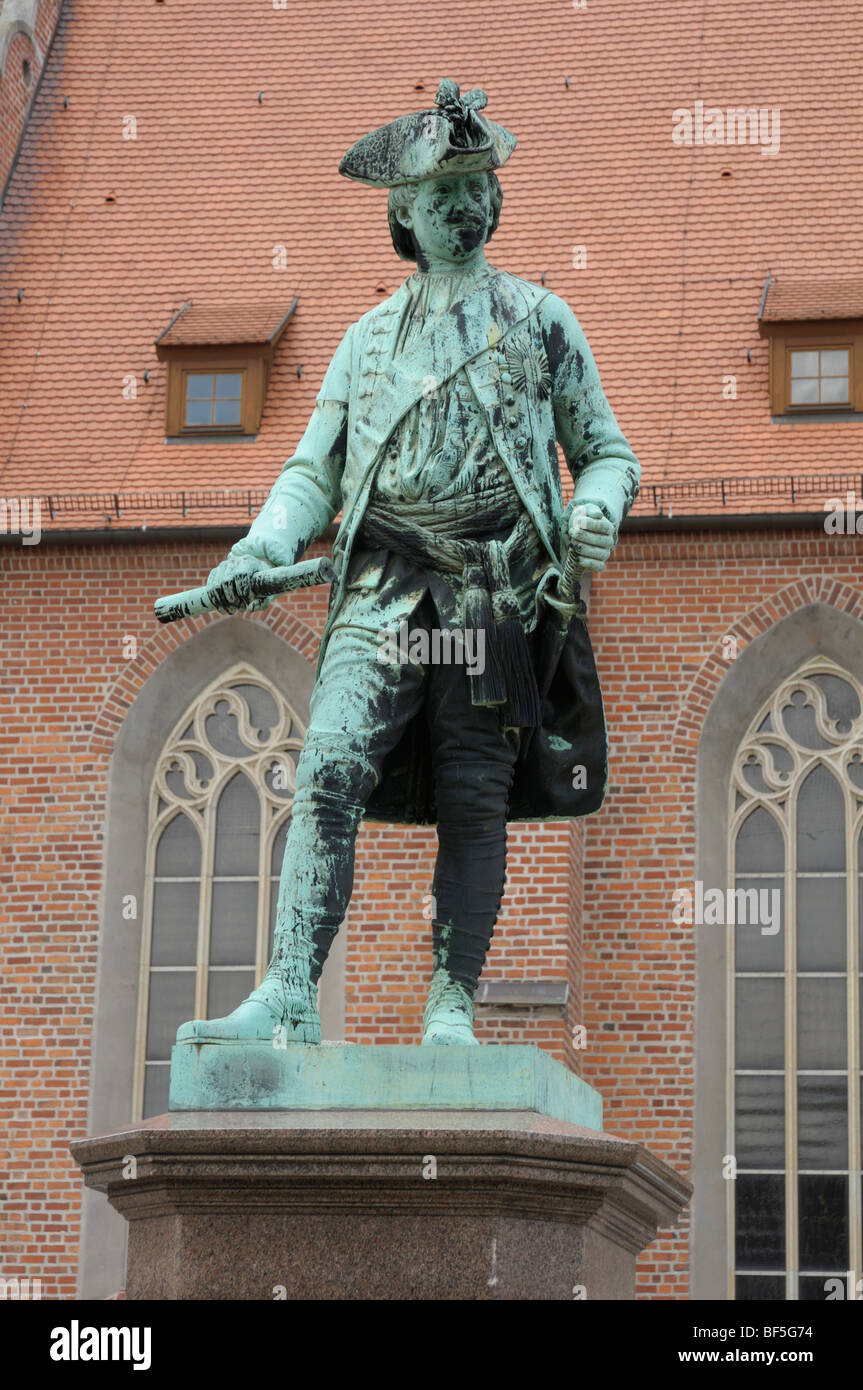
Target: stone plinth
(337,1076)
(380,1204)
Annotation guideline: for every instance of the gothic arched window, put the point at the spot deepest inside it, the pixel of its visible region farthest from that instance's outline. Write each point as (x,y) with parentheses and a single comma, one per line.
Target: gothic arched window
(796,830)
(219,808)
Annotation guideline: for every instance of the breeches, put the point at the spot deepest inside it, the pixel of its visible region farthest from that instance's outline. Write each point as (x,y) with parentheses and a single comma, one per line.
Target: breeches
(360,709)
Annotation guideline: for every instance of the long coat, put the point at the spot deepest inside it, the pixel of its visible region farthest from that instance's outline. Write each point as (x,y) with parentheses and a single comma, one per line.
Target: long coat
(533,373)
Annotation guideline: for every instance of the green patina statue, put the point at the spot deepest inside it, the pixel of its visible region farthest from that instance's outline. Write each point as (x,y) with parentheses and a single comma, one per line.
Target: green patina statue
(456,684)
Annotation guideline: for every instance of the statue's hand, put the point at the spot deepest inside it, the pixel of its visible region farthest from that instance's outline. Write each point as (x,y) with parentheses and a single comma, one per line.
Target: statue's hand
(228,584)
(592,534)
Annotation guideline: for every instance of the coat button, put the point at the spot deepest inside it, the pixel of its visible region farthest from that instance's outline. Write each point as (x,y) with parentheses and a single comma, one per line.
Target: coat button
(510,400)
(513,421)
(521,441)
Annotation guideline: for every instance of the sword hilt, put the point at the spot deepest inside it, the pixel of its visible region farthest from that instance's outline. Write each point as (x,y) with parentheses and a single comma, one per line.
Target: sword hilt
(572,572)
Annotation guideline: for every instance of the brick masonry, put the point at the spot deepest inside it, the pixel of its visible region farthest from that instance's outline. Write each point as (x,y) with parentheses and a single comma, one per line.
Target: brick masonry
(658,616)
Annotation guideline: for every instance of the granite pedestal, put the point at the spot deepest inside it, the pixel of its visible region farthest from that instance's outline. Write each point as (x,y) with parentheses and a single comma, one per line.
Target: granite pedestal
(409,1200)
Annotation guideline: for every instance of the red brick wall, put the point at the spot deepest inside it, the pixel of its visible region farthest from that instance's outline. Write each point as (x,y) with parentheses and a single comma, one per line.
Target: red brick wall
(657,616)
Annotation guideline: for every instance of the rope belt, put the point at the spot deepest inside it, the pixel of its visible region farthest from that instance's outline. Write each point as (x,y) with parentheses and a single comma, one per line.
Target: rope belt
(490,604)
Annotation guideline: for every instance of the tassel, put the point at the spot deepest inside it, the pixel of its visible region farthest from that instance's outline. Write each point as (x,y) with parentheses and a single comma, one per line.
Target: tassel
(489,686)
(523,708)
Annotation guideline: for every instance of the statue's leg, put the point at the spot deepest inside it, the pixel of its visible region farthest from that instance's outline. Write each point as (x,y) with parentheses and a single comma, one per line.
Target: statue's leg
(474,758)
(359,710)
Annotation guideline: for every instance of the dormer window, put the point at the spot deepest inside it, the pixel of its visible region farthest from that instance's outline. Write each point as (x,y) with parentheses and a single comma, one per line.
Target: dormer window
(819,376)
(218,361)
(213,400)
(815,329)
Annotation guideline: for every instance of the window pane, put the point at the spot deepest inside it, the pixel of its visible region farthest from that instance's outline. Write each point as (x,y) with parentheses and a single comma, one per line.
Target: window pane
(199,386)
(820,823)
(754,949)
(172,1002)
(175,923)
(804,364)
(223,732)
(181,782)
(834,362)
(823,1222)
(263,710)
(226,413)
(229,384)
(821,924)
(759,1030)
(157,1084)
(760,1221)
(238,819)
(821,1038)
(843,702)
(815,1288)
(759,1122)
(759,847)
(798,718)
(279,848)
(226,989)
(274,902)
(178,853)
(822,1120)
(834,390)
(804,390)
(198,413)
(750,1288)
(233,929)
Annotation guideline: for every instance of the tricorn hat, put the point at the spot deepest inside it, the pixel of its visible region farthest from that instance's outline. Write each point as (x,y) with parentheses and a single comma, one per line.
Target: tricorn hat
(450,138)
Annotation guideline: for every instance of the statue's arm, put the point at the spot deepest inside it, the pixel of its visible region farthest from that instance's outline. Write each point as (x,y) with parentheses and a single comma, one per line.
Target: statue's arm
(308,492)
(604,468)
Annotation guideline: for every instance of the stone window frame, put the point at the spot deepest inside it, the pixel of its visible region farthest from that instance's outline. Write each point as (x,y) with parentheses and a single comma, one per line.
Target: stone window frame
(780,803)
(199,804)
(178,681)
(816,629)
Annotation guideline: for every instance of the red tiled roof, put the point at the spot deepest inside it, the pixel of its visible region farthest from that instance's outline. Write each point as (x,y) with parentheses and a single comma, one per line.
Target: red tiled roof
(219,189)
(237,323)
(789,300)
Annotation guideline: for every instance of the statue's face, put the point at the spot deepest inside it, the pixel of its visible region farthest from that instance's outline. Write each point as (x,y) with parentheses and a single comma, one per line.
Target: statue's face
(450,216)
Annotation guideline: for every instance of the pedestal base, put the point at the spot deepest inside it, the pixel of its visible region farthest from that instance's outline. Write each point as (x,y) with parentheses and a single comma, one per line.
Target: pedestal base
(380,1205)
(336,1076)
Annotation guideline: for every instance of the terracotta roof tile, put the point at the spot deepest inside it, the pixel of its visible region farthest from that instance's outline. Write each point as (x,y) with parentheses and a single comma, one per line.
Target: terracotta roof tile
(236,323)
(215,181)
(791,300)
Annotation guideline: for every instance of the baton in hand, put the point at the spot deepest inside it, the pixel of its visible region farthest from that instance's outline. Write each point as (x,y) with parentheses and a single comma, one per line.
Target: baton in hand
(281,579)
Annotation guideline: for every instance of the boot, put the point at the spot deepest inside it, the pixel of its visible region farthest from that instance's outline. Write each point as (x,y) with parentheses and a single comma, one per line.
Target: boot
(281,1010)
(448,1017)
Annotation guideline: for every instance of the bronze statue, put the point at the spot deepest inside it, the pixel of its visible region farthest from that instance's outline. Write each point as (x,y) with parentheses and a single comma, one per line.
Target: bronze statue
(435,435)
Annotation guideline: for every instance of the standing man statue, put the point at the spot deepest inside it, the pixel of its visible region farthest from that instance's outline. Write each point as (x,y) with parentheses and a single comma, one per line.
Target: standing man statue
(435,434)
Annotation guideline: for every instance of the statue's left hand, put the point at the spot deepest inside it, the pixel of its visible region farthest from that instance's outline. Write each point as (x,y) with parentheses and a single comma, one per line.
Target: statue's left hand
(593,535)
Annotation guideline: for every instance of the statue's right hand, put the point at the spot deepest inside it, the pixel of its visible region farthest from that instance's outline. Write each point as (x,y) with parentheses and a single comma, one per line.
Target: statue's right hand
(228,584)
